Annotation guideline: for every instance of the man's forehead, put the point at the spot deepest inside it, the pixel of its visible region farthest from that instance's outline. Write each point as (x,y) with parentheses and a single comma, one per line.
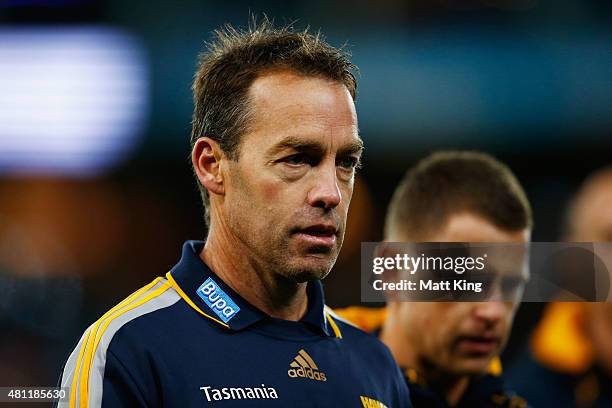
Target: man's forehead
(295,111)
(591,216)
(281,81)
(287,93)
(593,221)
(470,227)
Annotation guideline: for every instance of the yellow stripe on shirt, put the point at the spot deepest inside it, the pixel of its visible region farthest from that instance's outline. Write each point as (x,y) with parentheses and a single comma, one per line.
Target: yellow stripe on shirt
(86,347)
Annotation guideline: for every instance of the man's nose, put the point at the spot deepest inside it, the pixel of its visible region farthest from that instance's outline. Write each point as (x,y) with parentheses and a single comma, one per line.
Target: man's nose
(325,192)
(491,311)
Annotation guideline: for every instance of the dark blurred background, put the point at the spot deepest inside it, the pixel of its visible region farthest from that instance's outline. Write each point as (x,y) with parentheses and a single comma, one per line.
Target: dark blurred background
(96,192)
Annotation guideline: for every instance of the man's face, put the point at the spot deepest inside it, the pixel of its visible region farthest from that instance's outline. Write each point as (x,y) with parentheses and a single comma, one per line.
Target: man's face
(461,338)
(592,220)
(593,223)
(288,193)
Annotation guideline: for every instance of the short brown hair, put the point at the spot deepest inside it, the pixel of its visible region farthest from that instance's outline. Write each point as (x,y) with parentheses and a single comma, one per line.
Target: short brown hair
(449,182)
(236,58)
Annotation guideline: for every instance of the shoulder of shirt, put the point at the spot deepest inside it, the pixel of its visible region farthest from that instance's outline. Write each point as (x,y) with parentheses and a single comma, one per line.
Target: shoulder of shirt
(365,318)
(145,302)
(361,339)
(84,370)
(350,330)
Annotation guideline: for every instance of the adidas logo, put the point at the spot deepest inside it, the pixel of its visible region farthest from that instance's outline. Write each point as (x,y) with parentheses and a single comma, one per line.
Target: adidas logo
(304,366)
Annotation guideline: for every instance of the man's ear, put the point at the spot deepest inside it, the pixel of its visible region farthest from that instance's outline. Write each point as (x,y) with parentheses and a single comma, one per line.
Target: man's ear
(206,157)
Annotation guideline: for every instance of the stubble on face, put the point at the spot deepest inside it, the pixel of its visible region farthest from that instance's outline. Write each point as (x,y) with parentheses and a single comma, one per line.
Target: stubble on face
(269,199)
(274,250)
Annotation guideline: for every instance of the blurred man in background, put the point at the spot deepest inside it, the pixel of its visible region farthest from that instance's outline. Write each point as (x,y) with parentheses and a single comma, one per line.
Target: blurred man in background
(449,351)
(275,147)
(571,349)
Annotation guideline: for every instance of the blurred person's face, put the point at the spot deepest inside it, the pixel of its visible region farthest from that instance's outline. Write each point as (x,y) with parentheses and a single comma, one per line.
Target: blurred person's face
(593,219)
(461,338)
(593,223)
(288,193)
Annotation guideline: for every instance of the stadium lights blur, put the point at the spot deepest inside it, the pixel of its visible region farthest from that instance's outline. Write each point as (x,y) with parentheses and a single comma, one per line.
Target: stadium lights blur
(73,101)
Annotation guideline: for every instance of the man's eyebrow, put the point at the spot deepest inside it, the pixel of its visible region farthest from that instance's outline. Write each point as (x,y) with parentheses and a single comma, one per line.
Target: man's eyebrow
(296,143)
(300,144)
(354,147)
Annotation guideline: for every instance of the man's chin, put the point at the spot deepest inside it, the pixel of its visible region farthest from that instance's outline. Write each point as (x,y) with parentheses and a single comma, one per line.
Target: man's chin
(310,268)
(473,366)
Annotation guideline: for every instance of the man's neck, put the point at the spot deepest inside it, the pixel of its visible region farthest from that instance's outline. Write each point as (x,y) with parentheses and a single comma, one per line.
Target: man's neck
(450,387)
(239,268)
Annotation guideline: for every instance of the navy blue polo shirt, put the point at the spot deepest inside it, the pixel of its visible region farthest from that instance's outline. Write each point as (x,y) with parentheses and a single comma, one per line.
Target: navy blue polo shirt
(189,340)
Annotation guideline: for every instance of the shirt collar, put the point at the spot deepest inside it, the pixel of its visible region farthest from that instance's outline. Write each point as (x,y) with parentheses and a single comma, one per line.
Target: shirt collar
(191,272)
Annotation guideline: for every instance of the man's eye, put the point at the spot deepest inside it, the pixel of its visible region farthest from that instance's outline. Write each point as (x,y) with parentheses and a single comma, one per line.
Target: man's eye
(348,163)
(296,159)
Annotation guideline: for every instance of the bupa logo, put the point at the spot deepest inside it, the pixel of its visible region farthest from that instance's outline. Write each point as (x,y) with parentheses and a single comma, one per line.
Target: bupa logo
(218,300)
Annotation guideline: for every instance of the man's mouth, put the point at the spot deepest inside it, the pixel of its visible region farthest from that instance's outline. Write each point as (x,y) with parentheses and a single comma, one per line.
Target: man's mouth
(319,234)
(484,345)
